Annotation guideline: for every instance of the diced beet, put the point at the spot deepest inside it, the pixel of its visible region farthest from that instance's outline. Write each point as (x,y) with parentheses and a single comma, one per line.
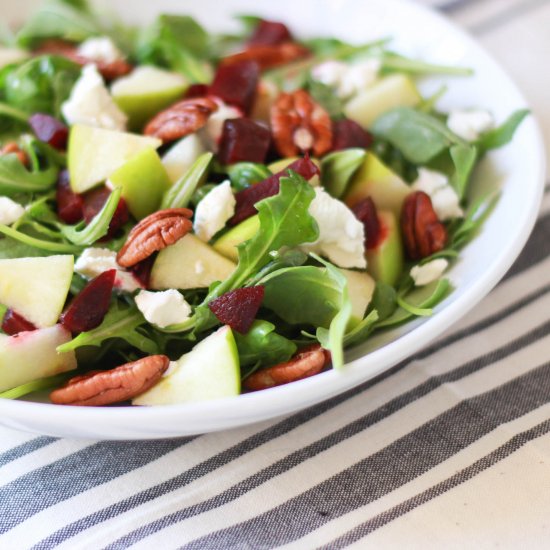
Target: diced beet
(142,270)
(347,134)
(13,323)
(243,140)
(196,90)
(236,84)
(50,130)
(90,306)
(365,212)
(70,205)
(238,308)
(95,200)
(270,33)
(247,198)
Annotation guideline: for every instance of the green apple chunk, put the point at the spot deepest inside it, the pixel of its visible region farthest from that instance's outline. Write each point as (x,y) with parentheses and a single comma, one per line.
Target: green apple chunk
(179,158)
(29,356)
(211,370)
(143,180)
(95,153)
(146,91)
(187,264)
(36,288)
(385,262)
(227,243)
(375,180)
(360,288)
(397,90)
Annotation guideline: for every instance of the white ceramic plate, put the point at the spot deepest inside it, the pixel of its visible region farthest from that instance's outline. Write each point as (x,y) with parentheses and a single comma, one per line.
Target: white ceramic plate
(518,170)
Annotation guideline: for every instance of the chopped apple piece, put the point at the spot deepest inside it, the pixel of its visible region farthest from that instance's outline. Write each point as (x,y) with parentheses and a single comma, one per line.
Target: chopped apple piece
(180,157)
(227,243)
(361,288)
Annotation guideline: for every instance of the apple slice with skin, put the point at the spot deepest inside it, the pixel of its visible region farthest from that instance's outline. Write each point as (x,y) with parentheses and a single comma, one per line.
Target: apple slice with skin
(189,263)
(29,356)
(146,91)
(36,288)
(143,180)
(228,242)
(181,156)
(95,153)
(374,179)
(211,370)
(361,288)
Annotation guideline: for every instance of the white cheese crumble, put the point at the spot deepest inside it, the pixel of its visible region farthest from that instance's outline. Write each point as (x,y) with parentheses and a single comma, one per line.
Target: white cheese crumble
(100,48)
(91,103)
(11,55)
(469,125)
(423,275)
(347,80)
(163,308)
(214,210)
(341,234)
(95,261)
(212,132)
(10,211)
(444,198)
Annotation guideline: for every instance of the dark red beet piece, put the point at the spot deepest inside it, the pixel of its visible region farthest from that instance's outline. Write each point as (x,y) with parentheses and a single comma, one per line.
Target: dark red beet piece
(196,90)
(50,130)
(236,84)
(243,140)
(247,198)
(238,308)
(365,212)
(94,201)
(70,205)
(347,134)
(142,270)
(13,323)
(270,33)
(91,304)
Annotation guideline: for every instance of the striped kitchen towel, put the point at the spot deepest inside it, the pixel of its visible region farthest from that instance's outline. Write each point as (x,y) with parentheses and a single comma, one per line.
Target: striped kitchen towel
(450,448)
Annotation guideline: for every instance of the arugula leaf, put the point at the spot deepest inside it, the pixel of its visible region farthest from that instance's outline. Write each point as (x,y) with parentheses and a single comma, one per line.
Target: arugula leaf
(85,235)
(43,384)
(7,111)
(362,331)
(338,168)
(244,174)
(498,137)
(419,136)
(15,178)
(263,346)
(392,61)
(179,195)
(50,246)
(120,322)
(464,158)
(288,258)
(384,301)
(11,248)
(324,95)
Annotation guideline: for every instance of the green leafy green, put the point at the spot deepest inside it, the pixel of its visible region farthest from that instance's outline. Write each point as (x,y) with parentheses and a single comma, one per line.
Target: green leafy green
(324,95)
(244,174)
(464,159)
(15,178)
(43,384)
(392,61)
(362,331)
(384,301)
(50,246)
(498,137)
(338,168)
(11,248)
(179,195)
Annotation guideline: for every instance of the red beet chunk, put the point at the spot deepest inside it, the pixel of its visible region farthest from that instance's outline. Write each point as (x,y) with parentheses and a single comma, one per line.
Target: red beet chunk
(365,212)
(95,200)
(243,140)
(90,306)
(70,205)
(13,323)
(196,90)
(142,270)
(270,33)
(238,308)
(247,198)
(50,130)
(236,84)
(347,134)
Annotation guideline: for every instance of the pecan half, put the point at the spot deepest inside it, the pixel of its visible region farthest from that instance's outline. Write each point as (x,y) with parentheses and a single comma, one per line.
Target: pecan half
(108,69)
(154,233)
(181,119)
(11,148)
(423,233)
(269,56)
(308,362)
(300,125)
(112,386)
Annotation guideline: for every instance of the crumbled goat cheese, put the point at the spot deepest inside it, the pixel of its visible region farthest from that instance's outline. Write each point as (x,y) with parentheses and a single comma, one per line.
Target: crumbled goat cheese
(163,308)
(469,125)
(444,198)
(214,210)
(347,80)
(10,211)
(95,261)
(341,234)
(91,103)
(428,273)
(101,48)
(212,132)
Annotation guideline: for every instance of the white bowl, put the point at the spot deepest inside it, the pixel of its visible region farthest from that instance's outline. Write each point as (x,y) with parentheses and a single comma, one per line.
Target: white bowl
(518,170)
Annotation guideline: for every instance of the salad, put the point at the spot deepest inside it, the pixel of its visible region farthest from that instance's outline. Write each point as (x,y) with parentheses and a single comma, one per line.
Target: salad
(186,216)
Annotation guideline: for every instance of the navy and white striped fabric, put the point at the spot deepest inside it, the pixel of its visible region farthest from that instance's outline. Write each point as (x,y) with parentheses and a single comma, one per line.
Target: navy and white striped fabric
(450,448)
